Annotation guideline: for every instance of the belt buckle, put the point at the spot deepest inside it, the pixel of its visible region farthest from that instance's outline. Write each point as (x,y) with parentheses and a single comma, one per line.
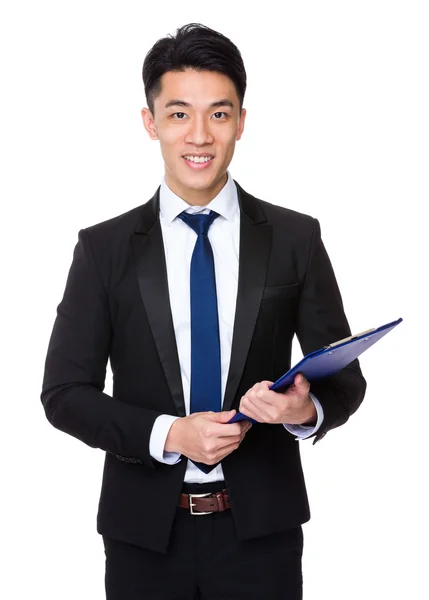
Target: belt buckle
(191,505)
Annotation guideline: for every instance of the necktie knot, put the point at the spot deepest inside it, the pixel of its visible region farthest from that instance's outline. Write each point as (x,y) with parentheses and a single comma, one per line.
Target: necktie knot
(198,222)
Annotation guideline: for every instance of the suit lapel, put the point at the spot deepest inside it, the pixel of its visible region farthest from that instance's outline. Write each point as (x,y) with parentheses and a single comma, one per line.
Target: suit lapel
(148,249)
(255,246)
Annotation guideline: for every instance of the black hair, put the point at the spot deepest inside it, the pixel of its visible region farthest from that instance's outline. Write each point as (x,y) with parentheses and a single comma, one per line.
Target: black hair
(197,47)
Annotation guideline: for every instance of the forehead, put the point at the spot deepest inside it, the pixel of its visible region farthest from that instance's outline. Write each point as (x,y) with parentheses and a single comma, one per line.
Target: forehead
(196,87)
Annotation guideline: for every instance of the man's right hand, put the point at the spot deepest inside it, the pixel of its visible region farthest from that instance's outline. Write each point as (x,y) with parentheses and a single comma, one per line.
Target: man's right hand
(206,437)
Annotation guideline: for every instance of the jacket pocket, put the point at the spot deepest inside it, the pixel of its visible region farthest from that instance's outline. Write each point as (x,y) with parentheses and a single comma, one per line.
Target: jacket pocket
(281,291)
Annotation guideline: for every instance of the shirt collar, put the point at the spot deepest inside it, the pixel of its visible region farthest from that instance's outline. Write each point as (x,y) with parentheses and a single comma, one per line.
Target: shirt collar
(225,203)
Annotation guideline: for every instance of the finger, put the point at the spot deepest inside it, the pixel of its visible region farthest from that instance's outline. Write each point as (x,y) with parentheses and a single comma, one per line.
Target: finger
(301,381)
(251,409)
(270,398)
(225,429)
(222,416)
(265,410)
(246,425)
(244,433)
(228,449)
(261,388)
(260,385)
(219,454)
(246,408)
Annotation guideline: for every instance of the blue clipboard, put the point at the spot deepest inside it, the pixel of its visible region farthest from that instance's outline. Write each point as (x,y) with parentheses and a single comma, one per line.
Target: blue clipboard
(328,360)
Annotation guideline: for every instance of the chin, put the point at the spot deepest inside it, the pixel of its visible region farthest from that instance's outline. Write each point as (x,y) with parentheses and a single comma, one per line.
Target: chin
(199,181)
(198,185)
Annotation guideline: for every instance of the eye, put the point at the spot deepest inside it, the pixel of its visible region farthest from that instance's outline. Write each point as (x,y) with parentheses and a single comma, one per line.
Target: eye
(179,116)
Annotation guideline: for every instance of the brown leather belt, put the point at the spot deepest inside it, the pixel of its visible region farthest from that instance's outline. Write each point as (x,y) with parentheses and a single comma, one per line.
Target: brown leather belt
(205,504)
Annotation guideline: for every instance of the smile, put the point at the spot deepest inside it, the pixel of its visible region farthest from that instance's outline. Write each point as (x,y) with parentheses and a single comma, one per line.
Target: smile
(198,162)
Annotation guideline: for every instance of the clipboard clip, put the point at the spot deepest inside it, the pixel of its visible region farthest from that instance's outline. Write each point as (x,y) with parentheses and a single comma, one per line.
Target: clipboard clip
(350,338)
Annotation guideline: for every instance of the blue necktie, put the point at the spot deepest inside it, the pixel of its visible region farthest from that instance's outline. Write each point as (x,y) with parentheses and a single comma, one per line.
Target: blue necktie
(205,345)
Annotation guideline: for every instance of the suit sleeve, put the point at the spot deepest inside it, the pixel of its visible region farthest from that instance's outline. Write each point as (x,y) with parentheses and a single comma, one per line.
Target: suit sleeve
(75,369)
(321,321)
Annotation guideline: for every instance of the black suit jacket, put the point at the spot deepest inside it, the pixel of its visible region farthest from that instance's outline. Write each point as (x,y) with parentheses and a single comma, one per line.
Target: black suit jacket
(116,305)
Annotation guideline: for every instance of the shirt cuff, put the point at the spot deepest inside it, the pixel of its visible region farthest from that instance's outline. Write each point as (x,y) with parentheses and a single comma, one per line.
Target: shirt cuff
(157,440)
(304,431)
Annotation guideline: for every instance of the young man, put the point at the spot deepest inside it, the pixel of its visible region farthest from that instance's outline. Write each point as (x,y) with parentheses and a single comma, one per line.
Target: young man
(195,296)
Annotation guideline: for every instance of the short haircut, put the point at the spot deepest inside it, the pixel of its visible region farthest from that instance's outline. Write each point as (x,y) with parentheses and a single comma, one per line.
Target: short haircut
(194,46)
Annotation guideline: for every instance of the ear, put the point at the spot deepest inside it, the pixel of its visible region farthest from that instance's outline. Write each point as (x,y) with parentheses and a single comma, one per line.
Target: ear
(149,123)
(241,123)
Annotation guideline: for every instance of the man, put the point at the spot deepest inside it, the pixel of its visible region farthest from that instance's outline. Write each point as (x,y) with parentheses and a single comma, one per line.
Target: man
(195,297)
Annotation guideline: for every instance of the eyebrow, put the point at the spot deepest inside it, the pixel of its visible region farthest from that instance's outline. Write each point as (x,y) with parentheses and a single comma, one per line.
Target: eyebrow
(223,102)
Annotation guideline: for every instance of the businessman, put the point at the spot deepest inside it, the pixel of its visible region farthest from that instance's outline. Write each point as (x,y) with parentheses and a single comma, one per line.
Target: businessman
(195,297)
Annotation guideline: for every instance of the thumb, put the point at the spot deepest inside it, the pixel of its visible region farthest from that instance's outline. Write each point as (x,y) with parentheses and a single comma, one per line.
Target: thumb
(223,416)
(301,381)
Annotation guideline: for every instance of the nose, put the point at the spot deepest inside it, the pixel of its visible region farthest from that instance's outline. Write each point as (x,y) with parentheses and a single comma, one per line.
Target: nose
(199,132)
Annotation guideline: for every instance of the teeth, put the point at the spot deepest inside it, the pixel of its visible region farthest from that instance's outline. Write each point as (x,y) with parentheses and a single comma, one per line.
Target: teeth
(198,159)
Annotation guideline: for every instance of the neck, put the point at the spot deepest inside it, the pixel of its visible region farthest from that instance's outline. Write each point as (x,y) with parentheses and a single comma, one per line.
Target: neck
(195,197)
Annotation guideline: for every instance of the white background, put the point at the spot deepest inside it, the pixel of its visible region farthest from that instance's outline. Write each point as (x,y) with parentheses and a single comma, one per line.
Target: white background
(337,127)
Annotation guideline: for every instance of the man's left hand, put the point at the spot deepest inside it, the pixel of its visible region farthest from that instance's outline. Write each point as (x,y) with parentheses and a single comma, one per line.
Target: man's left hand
(293,407)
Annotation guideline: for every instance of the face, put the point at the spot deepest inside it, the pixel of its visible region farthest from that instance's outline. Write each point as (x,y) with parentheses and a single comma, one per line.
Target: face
(196,114)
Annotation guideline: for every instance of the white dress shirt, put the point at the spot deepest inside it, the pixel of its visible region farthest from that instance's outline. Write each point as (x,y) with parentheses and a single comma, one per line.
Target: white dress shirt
(179,242)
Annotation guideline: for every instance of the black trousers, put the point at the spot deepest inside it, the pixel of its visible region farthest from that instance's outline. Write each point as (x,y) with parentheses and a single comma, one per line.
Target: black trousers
(206,561)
